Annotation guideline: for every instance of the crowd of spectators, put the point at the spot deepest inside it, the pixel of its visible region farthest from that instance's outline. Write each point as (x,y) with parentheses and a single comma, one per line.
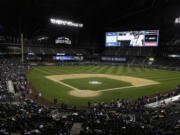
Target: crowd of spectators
(120,117)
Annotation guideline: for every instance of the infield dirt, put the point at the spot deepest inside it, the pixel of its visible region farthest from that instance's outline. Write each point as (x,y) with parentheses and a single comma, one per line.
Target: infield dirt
(136,82)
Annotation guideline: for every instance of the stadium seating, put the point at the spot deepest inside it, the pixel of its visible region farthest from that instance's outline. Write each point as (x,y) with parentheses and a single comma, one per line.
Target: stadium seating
(21,116)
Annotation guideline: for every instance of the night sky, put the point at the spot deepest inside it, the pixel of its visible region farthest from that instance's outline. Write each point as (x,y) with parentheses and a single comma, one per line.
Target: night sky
(31,17)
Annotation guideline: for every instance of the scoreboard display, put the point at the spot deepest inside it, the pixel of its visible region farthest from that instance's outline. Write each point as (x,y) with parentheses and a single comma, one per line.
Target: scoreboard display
(147,38)
(68,58)
(63,40)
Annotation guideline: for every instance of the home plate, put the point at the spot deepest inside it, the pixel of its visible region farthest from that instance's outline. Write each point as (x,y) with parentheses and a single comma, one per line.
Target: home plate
(84,93)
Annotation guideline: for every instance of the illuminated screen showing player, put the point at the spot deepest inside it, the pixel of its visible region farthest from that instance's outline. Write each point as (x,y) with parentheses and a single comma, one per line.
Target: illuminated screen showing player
(148,38)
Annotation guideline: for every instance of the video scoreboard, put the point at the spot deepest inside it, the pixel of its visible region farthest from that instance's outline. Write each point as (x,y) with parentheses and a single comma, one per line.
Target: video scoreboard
(144,38)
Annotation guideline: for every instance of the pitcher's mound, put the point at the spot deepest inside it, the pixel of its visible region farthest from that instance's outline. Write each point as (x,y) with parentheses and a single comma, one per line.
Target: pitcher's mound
(95,82)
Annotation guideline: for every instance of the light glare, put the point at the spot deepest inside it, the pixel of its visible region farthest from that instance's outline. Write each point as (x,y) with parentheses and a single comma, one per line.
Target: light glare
(65,23)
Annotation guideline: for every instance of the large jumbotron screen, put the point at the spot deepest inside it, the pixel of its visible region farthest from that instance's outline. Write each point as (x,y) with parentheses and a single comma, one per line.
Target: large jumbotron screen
(144,38)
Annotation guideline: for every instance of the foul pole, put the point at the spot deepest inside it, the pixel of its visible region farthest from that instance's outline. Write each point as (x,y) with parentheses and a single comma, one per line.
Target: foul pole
(22,48)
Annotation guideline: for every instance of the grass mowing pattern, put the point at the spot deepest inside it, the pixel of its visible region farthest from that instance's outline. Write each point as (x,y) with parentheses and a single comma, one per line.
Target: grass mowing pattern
(83,83)
(50,89)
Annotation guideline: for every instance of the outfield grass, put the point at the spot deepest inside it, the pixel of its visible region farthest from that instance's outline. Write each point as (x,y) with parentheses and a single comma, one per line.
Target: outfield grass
(50,89)
(83,83)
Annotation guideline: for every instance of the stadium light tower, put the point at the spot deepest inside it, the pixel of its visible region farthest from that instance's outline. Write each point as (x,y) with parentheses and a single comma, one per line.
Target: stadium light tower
(65,23)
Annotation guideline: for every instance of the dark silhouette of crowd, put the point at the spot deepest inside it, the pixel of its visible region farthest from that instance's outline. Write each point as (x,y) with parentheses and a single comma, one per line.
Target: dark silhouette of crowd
(22,116)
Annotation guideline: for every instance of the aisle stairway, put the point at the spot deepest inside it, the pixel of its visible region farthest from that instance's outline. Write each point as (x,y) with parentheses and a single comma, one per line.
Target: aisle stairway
(76,128)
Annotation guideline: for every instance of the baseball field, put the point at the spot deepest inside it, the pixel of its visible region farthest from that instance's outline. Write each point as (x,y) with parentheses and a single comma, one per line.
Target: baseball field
(76,85)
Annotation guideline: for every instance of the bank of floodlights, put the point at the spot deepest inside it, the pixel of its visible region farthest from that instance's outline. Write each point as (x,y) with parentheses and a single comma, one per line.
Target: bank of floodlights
(65,23)
(42,38)
(177,20)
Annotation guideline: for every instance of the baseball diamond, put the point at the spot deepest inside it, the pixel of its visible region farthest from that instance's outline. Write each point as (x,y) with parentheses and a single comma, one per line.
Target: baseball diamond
(70,84)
